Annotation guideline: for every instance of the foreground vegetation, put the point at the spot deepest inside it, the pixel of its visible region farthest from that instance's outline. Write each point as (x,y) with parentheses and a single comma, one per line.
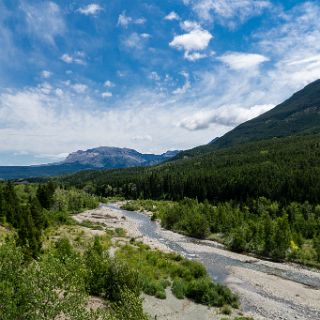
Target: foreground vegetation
(61,281)
(261,226)
(30,209)
(50,269)
(159,270)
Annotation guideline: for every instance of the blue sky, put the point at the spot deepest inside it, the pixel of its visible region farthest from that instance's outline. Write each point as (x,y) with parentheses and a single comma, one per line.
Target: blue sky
(150,75)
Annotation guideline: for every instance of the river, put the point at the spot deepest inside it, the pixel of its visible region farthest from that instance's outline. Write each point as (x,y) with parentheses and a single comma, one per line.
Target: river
(267,289)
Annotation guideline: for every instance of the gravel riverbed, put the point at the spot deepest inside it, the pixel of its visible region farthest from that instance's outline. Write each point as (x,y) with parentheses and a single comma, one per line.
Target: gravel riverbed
(267,290)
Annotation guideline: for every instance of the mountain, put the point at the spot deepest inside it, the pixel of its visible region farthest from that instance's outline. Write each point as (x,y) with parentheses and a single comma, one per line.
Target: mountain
(282,169)
(112,157)
(300,114)
(96,158)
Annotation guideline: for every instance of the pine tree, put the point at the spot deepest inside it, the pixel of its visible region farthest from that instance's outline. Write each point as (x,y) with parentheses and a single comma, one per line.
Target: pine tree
(281,238)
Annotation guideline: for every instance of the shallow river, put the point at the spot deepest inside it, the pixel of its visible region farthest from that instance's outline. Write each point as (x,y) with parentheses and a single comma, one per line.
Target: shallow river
(221,264)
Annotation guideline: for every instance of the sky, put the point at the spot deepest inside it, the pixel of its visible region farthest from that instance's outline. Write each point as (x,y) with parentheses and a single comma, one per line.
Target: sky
(148,75)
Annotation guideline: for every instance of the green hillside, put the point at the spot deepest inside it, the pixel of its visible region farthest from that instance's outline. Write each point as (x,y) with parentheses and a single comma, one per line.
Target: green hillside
(286,169)
(300,114)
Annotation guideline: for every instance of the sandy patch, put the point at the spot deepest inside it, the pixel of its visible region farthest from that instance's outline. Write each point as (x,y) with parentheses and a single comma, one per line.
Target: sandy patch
(115,219)
(174,309)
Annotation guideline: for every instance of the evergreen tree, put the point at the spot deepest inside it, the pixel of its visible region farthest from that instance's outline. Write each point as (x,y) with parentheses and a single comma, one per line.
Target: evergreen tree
(316,245)
(281,238)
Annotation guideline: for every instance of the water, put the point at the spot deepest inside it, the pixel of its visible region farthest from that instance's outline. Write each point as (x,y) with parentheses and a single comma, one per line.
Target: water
(218,266)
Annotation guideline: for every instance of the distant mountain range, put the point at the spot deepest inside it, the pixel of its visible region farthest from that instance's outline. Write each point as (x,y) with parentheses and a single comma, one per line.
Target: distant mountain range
(96,158)
(300,114)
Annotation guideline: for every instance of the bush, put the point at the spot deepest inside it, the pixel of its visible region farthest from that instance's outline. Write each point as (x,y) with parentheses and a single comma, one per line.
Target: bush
(179,288)
(151,287)
(120,232)
(161,294)
(205,292)
(226,310)
(129,307)
(237,241)
(120,276)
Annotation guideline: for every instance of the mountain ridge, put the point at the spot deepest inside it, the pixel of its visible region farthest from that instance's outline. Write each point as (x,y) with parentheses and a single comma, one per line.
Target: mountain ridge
(299,114)
(95,158)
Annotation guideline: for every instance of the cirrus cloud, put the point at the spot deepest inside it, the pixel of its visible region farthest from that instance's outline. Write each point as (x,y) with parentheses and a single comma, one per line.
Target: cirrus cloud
(228,12)
(241,60)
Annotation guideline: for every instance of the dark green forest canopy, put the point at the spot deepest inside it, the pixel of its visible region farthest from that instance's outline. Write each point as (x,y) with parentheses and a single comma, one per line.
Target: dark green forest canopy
(283,169)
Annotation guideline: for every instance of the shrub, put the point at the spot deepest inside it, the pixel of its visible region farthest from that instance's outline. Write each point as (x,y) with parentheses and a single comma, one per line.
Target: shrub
(226,310)
(204,291)
(179,288)
(120,232)
(161,294)
(129,307)
(120,276)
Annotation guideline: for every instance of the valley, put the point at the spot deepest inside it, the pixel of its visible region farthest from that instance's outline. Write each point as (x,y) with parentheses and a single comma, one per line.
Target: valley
(229,230)
(160,160)
(267,290)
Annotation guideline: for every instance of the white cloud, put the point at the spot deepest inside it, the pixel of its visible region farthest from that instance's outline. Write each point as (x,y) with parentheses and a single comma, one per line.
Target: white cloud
(154,76)
(109,84)
(228,12)
(45,88)
(229,115)
(124,20)
(172,16)
(44,20)
(90,9)
(45,120)
(241,60)
(189,25)
(52,157)
(186,86)
(295,46)
(142,138)
(145,35)
(139,21)
(45,124)
(196,40)
(106,94)
(80,87)
(194,56)
(46,74)
(135,41)
(67,58)
(59,92)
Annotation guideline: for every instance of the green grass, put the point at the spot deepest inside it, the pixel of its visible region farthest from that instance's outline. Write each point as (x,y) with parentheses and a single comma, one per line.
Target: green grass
(89,224)
(157,207)
(159,270)
(120,232)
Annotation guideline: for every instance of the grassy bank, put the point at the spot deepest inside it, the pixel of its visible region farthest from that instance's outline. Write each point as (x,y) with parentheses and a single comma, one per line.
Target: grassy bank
(262,227)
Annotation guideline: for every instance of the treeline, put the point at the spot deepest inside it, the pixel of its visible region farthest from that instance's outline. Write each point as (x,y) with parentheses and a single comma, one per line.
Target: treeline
(260,226)
(59,283)
(284,170)
(30,209)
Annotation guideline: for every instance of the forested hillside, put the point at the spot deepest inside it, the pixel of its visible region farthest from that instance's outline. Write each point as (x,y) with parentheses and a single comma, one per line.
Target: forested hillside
(283,169)
(300,114)
(261,197)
